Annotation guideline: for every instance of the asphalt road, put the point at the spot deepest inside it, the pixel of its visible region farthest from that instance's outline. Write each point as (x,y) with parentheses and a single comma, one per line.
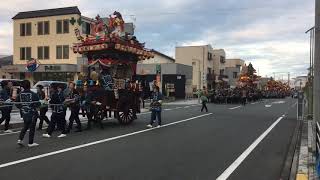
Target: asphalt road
(228,142)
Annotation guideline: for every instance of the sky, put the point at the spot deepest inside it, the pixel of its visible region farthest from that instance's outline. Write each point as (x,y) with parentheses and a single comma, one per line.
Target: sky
(269,34)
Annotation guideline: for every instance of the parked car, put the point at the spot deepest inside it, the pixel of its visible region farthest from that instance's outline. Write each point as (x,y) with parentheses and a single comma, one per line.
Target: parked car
(47,84)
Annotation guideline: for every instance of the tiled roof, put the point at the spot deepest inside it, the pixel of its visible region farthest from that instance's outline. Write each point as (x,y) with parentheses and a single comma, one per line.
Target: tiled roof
(47,12)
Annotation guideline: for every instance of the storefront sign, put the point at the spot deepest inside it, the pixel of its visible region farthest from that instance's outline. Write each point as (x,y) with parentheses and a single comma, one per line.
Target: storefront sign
(52,68)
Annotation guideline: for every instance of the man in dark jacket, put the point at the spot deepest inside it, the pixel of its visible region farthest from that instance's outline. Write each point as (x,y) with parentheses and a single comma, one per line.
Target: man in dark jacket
(74,100)
(29,102)
(6,108)
(155,107)
(43,107)
(58,113)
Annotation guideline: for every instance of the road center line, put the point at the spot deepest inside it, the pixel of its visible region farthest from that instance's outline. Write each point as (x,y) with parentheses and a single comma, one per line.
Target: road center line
(235,107)
(95,142)
(246,153)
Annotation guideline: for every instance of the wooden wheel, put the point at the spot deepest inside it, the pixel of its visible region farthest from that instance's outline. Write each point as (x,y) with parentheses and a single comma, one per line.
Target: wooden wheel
(126,117)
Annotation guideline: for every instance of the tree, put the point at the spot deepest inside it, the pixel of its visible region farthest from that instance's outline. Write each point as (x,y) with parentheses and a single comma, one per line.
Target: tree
(251,70)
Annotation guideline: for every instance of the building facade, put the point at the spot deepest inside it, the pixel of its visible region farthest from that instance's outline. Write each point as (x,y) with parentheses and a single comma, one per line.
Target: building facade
(176,79)
(201,59)
(233,68)
(47,36)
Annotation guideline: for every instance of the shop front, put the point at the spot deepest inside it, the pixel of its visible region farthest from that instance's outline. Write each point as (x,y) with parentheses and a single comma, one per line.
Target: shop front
(44,72)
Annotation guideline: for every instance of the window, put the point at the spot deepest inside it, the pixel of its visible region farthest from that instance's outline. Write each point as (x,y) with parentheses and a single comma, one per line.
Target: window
(209,70)
(222,59)
(40,51)
(22,53)
(235,75)
(28,30)
(193,63)
(209,56)
(62,26)
(46,52)
(66,52)
(46,27)
(22,29)
(43,28)
(43,52)
(28,53)
(66,26)
(59,27)
(25,29)
(59,52)
(40,29)
(85,28)
(62,52)
(221,71)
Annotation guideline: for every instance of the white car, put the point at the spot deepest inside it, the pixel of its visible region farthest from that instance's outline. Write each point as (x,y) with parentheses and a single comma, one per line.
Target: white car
(47,84)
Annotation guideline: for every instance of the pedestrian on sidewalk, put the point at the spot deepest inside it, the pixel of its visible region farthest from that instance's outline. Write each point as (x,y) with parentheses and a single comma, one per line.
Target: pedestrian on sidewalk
(74,98)
(58,113)
(155,107)
(29,102)
(43,107)
(204,99)
(5,109)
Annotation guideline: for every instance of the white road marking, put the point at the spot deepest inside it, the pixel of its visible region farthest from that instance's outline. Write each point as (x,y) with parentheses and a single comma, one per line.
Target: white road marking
(186,106)
(235,107)
(268,105)
(278,102)
(254,102)
(167,109)
(293,105)
(3,134)
(247,152)
(95,142)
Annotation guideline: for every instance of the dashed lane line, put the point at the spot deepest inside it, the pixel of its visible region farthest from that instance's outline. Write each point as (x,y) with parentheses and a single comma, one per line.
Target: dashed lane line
(235,107)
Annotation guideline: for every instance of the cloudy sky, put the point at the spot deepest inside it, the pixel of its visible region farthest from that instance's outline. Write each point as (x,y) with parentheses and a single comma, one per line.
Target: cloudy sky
(270,34)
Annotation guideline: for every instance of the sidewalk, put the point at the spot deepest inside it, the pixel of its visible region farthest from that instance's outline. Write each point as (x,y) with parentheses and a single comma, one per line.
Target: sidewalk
(306,166)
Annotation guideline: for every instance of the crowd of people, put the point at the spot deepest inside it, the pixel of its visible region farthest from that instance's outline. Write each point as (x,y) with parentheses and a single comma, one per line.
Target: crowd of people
(243,95)
(35,105)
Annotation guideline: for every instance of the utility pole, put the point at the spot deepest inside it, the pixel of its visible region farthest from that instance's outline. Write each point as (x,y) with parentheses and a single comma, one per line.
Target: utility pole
(316,80)
(289,79)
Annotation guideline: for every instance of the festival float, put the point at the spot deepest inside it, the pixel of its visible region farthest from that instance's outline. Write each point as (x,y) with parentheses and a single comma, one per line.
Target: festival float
(248,77)
(110,73)
(277,86)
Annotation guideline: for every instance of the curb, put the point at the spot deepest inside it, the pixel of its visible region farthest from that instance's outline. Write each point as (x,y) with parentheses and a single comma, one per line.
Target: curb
(290,164)
(305,153)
